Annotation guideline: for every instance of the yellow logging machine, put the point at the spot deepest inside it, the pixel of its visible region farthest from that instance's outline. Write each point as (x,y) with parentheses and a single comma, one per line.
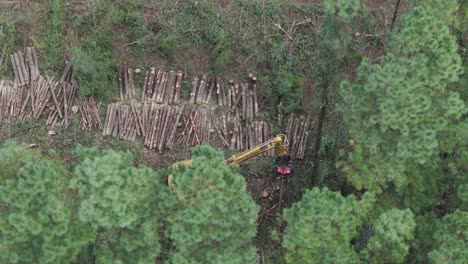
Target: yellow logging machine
(279,142)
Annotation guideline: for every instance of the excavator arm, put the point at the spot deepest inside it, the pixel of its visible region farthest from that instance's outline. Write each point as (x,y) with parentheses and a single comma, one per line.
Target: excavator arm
(280,142)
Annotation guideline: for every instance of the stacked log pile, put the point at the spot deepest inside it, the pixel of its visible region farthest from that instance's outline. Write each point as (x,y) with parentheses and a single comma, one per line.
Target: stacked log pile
(157,124)
(220,125)
(62,98)
(197,127)
(297,131)
(243,100)
(162,87)
(250,135)
(239,98)
(126,83)
(157,117)
(10,103)
(89,112)
(202,89)
(162,122)
(31,92)
(25,66)
(120,122)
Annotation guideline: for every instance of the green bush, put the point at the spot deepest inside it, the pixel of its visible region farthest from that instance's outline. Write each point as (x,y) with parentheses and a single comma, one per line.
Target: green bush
(95,66)
(53,40)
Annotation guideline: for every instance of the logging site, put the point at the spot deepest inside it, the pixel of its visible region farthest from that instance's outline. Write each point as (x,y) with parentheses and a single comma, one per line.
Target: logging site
(233,131)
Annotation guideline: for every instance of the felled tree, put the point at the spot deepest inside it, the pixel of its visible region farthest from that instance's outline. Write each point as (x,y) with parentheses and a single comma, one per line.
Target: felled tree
(213,218)
(36,222)
(451,239)
(401,114)
(119,201)
(392,233)
(321,226)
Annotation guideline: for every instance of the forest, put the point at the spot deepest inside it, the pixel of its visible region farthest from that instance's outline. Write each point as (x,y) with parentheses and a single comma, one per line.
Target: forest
(101,100)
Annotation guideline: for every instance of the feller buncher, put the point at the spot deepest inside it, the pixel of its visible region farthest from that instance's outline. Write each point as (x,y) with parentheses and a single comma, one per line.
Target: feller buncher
(279,142)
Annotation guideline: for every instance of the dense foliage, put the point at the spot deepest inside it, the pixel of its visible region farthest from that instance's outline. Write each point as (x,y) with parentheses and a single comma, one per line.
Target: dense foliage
(451,239)
(322,225)
(37,223)
(403,118)
(213,218)
(392,233)
(118,201)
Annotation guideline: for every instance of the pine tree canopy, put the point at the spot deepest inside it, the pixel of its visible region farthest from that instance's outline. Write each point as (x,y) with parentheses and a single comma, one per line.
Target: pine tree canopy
(213,218)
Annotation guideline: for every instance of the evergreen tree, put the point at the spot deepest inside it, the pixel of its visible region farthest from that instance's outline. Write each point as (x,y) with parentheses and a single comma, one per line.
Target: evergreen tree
(119,201)
(451,239)
(392,233)
(321,226)
(403,118)
(213,217)
(37,224)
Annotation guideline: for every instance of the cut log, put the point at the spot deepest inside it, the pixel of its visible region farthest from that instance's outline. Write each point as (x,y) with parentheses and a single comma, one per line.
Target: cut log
(178,86)
(244,100)
(23,67)
(170,140)
(161,88)
(193,93)
(170,88)
(255,99)
(201,89)
(155,86)
(164,132)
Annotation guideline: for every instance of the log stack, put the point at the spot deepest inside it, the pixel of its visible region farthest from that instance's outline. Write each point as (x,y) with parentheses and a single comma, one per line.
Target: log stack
(162,87)
(156,123)
(89,112)
(10,100)
(161,126)
(197,127)
(249,135)
(63,98)
(120,122)
(297,131)
(25,66)
(240,98)
(126,83)
(243,101)
(32,94)
(202,89)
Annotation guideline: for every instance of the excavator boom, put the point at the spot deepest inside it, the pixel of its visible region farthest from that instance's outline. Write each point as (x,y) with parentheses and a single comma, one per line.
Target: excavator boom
(280,142)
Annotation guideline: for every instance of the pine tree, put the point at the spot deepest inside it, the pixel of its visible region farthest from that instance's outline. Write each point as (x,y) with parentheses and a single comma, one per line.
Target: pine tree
(37,224)
(392,233)
(213,217)
(321,226)
(403,118)
(119,201)
(451,239)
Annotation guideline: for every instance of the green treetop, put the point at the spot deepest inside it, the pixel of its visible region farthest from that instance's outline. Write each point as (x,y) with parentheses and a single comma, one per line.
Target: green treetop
(36,221)
(321,226)
(451,239)
(401,113)
(392,233)
(213,216)
(119,201)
